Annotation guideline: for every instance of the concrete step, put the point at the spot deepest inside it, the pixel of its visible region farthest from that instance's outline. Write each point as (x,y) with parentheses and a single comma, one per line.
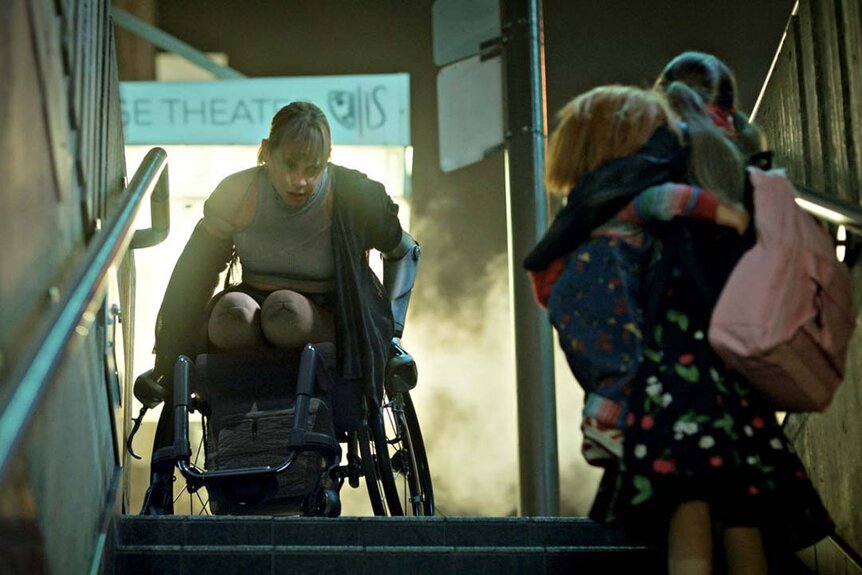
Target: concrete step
(375,545)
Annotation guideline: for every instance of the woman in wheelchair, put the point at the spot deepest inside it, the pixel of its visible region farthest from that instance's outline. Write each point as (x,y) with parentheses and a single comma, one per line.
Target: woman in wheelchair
(300,229)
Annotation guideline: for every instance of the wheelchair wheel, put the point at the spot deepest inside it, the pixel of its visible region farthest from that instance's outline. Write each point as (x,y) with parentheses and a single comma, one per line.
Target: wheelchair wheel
(403,480)
(409,460)
(376,466)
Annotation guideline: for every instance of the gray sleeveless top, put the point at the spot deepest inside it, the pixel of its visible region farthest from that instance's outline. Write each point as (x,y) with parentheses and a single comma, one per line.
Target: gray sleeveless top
(289,247)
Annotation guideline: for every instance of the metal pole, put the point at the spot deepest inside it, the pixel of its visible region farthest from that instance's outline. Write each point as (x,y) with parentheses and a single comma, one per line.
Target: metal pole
(527,219)
(170,43)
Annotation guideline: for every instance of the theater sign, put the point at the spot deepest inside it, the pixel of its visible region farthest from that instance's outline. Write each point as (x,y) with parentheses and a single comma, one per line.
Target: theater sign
(363,110)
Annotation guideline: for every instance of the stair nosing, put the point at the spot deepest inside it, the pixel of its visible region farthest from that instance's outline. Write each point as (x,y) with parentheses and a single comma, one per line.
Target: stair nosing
(378,548)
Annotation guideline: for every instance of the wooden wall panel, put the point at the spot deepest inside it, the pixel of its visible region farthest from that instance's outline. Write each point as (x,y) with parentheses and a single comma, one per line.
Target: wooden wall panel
(817,82)
(784,106)
(38,235)
(61,161)
(812,114)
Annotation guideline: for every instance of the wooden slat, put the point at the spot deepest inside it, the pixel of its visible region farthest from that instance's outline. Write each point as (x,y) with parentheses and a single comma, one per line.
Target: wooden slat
(831,103)
(62,9)
(808,87)
(781,112)
(93,150)
(851,32)
(77,81)
(796,143)
(97,161)
(102,106)
(46,26)
(87,145)
(75,69)
(116,164)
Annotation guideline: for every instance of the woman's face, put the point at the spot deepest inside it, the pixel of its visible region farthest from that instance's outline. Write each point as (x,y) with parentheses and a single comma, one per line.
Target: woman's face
(293,177)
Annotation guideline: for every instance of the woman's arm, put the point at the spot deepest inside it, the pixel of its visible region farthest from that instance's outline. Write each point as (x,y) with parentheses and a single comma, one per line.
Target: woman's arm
(180,326)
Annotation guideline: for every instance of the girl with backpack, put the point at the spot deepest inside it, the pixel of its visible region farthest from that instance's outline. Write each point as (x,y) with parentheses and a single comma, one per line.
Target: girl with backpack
(709,461)
(701,451)
(593,291)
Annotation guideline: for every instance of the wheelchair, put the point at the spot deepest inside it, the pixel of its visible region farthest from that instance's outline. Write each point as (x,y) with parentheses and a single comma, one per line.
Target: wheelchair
(282,431)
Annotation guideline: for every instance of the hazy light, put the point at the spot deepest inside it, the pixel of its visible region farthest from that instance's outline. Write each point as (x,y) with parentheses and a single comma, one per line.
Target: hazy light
(408,160)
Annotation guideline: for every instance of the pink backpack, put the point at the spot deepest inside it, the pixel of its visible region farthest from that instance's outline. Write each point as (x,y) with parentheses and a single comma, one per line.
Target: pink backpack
(786,313)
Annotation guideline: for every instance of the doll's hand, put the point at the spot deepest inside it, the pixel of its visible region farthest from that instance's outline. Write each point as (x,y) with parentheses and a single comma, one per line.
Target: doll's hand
(733,216)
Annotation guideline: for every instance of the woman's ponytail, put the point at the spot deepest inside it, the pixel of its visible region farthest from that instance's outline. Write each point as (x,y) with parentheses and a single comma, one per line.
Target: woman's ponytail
(716,162)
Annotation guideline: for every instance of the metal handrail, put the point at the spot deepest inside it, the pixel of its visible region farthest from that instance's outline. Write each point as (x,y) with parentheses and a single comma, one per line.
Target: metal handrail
(160,211)
(160,38)
(24,386)
(833,210)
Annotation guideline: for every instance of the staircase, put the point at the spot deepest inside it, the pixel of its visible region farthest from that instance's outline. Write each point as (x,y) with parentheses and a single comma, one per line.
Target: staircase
(374,545)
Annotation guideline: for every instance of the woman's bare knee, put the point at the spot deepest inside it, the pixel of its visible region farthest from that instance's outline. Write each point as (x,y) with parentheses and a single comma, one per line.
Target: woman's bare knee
(289,319)
(235,322)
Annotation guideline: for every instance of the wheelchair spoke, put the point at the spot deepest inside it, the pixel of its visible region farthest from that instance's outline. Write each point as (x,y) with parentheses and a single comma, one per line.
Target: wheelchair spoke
(180,494)
(204,504)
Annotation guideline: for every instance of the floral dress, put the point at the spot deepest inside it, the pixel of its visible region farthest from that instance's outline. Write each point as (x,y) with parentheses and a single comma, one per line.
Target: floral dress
(696,431)
(594,306)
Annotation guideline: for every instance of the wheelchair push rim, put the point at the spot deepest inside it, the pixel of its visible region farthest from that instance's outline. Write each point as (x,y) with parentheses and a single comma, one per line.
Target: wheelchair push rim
(395,463)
